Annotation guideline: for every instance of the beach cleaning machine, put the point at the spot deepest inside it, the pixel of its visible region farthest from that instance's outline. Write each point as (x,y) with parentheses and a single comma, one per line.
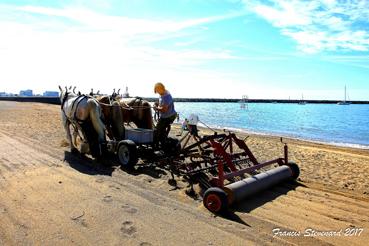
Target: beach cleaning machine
(227,169)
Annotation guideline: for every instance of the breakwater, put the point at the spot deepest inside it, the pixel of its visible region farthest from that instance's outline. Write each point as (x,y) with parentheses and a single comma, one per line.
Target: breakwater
(50,100)
(56,100)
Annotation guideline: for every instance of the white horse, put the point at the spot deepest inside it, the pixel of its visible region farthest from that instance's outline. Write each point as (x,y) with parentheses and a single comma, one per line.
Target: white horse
(82,110)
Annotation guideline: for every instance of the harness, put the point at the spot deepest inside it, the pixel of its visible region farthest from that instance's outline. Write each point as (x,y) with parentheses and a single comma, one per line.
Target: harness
(74,121)
(78,100)
(63,101)
(75,126)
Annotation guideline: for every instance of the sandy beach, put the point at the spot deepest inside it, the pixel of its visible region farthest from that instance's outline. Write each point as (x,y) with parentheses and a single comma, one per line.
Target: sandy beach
(50,197)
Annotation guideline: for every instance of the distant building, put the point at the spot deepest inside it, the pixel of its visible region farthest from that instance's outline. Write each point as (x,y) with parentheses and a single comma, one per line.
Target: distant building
(51,94)
(2,94)
(26,93)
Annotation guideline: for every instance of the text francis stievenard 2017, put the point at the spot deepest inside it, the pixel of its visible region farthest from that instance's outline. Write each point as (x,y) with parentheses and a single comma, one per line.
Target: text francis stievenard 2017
(311,232)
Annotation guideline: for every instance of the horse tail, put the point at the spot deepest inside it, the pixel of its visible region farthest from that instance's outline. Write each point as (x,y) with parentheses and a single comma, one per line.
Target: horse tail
(117,121)
(96,119)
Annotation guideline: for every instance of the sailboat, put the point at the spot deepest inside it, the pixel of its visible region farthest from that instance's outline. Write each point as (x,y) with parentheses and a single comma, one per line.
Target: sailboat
(302,102)
(344,102)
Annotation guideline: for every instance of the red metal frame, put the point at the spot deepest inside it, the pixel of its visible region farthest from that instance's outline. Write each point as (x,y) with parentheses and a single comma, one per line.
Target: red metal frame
(221,151)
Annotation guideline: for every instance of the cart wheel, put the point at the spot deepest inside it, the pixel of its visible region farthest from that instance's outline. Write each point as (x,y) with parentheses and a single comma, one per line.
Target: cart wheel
(294,169)
(215,200)
(127,153)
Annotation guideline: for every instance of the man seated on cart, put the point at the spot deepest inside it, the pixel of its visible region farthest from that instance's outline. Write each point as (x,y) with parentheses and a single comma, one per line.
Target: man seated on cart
(167,113)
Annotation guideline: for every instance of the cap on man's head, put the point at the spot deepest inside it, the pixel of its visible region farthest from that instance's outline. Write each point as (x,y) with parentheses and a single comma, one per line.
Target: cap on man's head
(159,88)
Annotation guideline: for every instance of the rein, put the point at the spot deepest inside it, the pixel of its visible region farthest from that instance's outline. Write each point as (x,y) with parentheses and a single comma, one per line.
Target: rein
(124,107)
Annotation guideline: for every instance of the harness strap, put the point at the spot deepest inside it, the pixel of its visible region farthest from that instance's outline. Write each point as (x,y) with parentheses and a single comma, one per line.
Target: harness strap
(79,99)
(74,119)
(64,99)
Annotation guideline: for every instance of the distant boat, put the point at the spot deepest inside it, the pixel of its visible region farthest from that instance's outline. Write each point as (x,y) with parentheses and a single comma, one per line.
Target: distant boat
(344,102)
(302,102)
(243,102)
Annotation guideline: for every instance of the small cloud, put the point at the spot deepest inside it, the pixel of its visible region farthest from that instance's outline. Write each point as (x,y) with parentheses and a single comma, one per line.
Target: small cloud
(97,21)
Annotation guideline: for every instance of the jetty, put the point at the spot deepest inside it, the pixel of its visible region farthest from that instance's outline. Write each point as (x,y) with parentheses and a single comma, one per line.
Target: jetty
(56,100)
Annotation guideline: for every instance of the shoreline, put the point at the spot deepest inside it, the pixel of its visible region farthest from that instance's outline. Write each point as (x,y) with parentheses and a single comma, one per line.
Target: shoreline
(334,144)
(56,100)
(351,146)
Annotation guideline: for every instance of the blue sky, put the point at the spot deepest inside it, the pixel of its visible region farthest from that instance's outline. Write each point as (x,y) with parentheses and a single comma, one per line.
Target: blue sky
(222,49)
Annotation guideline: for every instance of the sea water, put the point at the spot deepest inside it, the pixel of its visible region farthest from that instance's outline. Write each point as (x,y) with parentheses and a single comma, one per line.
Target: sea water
(346,125)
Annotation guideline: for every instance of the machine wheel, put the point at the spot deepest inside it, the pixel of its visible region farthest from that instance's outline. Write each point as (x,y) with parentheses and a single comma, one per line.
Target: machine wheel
(127,153)
(215,200)
(294,169)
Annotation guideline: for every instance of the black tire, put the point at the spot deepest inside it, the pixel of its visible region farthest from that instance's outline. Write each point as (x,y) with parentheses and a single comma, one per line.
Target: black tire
(215,200)
(294,169)
(127,153)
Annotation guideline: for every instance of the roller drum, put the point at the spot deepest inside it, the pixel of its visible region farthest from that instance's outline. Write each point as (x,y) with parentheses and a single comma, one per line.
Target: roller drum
(249,186)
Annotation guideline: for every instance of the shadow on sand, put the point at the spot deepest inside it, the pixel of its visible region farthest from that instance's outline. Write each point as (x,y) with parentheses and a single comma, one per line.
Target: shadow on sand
(106,166)
(263,197)
(258,200)
(86,165)
(146,169)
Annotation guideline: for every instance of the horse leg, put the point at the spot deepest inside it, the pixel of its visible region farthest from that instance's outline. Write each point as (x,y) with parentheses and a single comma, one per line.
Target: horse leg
(66,124)
(75,134)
